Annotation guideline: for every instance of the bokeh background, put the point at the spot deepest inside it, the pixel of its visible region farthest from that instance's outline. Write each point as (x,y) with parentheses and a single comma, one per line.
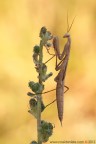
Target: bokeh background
(20,23)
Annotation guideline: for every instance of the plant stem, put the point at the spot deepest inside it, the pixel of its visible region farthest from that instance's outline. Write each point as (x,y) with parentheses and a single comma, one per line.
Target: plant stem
(39,97)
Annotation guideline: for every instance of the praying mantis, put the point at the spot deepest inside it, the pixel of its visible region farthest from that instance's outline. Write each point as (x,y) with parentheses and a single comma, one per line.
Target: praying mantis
(62,66)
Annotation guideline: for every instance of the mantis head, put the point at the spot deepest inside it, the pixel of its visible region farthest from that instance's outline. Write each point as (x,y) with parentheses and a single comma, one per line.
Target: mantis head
(66,35)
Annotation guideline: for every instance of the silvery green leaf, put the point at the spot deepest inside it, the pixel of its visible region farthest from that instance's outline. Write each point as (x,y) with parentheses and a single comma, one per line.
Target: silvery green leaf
(33,112)
(45,77)
(35,58)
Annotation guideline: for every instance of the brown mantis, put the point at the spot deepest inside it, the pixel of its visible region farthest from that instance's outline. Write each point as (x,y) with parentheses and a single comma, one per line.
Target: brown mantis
(62,66)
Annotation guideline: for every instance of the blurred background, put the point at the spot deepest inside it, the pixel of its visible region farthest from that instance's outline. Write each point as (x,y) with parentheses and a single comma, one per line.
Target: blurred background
(20,23)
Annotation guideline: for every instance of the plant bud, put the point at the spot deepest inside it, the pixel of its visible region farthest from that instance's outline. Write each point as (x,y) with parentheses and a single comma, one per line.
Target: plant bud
(35,58)
(42,106)
(36,49)
(36,87)
(33,107)
(30,94)
(50,126)
(42,32)
(46,130)
(32,103)
(46,76)
(33,142)
(44,69)
(48,44)
(49,35)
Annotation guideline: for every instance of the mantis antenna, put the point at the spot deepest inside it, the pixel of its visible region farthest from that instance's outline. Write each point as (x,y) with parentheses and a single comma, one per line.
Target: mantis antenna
(67,22)
(71,23)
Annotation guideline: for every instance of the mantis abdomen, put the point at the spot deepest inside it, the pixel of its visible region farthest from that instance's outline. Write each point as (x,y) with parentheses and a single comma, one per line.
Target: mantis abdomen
(60,99)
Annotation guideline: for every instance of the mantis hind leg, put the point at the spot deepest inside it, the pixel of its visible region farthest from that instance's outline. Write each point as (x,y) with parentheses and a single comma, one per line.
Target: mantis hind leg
(67,88)
(32,94)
